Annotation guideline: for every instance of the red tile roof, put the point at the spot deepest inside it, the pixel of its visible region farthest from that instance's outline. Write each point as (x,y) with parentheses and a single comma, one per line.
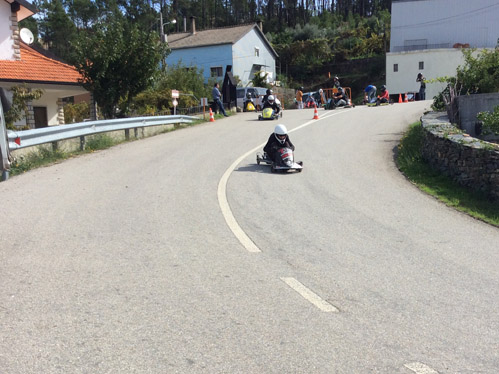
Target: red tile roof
(35,67)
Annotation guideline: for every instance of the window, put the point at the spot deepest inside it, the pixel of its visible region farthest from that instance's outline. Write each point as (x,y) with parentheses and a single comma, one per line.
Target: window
(421,65)
(395,67)
(216,71)
(257,52)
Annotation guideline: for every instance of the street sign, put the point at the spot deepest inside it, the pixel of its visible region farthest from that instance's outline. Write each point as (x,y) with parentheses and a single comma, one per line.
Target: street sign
(204,101)
(175,102)
(175,94)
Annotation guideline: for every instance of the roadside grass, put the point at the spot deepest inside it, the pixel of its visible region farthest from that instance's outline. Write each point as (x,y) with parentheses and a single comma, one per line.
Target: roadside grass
(429,180)
(46,155)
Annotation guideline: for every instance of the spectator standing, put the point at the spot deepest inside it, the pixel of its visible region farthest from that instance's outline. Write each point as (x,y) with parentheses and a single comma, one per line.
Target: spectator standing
(299,97)
(216,99)
(336,82)
(422,88)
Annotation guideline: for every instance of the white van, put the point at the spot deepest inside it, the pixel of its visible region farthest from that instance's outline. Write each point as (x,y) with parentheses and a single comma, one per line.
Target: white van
(257,93)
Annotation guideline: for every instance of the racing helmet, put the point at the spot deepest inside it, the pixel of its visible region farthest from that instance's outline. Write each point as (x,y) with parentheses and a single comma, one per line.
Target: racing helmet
(280,132)
(383,88)
(269,91)
(340,89)
(270,99)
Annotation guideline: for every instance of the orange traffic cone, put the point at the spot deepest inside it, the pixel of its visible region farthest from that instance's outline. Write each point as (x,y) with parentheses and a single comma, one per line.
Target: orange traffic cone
(406,100)
(316,114)
(212,119)
(400,98)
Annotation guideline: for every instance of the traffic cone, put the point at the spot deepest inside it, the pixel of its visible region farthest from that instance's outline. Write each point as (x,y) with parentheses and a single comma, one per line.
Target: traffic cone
(405,99)
(212,119)
(316,114)
(400,98)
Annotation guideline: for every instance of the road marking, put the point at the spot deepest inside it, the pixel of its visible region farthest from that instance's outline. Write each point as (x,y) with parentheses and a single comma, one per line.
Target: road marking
(310,295)
(420,368)
(224,203)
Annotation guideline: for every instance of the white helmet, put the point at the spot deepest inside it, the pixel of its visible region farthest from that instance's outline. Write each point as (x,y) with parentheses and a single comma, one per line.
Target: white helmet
(270,99)
(280,130)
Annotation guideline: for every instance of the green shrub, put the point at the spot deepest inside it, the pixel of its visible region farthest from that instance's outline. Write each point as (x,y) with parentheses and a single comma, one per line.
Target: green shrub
(490,120)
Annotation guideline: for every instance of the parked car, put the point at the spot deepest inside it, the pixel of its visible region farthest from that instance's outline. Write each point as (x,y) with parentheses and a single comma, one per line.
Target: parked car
(257,93)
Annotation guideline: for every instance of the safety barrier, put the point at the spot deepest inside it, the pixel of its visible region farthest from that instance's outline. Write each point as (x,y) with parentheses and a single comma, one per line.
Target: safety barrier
(51,134)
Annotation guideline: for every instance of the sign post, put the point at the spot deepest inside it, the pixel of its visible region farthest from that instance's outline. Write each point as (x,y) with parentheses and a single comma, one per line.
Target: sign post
(204,103)
(5,103)
(175,96)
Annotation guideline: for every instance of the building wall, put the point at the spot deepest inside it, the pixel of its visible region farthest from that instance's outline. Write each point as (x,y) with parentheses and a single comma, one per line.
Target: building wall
(6,41)
(203,57)
(437,63)
(245,57)
(442,23)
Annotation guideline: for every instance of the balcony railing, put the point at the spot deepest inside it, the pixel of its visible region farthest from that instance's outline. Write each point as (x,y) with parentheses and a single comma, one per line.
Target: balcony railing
(419,47)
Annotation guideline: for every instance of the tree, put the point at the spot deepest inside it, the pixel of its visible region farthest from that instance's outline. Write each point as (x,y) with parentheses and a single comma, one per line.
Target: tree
(57,29)
(22,94)
(189,81)
(117,60)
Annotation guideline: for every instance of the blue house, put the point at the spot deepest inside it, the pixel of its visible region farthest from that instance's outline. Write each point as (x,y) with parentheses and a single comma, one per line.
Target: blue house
(244,47)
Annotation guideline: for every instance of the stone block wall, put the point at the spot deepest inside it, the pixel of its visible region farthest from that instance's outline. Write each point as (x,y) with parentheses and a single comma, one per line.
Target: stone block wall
(471,162)
(471,105)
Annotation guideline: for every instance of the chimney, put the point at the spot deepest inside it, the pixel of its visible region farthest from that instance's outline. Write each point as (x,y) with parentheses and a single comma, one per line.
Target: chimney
(185,24)
(14,27)
(193,19)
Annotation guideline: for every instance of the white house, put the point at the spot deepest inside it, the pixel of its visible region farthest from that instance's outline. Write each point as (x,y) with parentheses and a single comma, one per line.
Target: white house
(21,64)
(427,37)
(244,47)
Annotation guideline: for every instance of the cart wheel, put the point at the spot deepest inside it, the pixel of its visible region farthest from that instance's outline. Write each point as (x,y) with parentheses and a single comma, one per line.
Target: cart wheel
(273,169)
(299,170)
(258,160)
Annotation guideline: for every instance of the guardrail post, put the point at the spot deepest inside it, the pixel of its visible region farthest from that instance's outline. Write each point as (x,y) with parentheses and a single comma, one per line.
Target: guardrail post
(55,146)
(127,134)
(4,148)
(82,143)
(136,132)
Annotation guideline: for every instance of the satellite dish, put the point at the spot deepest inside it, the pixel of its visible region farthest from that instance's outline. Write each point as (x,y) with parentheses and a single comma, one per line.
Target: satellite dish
(27,36)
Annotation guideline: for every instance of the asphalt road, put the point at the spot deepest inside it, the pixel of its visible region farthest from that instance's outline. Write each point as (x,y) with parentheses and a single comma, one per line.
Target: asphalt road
(178,254)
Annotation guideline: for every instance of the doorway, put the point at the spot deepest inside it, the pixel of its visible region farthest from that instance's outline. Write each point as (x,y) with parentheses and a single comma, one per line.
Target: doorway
(40,113)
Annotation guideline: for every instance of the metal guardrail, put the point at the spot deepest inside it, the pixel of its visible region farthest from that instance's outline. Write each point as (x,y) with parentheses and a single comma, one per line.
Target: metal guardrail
(30,138)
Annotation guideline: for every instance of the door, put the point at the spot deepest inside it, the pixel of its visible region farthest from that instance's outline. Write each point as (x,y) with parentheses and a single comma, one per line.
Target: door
(41,119)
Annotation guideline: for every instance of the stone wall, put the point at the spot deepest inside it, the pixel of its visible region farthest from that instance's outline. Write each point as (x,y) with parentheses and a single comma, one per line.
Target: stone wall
(471,162)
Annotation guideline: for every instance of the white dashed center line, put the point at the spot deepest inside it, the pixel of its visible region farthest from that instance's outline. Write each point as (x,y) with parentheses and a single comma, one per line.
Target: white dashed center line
(310,296)
(420,368)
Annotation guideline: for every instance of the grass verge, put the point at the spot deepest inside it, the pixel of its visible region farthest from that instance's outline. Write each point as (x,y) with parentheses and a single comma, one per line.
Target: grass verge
(411,163)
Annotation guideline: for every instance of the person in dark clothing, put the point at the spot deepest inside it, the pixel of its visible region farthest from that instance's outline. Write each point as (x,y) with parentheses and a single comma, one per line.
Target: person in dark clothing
(340,98)
(336,81)
(270,103)
(216,99)
(266,97)
(422,88)
(278,139)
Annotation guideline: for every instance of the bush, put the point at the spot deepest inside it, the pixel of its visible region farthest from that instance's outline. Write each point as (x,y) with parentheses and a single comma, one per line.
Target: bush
(490,120)
(74,113)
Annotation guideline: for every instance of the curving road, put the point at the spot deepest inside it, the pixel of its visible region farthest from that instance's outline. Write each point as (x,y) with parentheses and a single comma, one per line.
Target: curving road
(178,254)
